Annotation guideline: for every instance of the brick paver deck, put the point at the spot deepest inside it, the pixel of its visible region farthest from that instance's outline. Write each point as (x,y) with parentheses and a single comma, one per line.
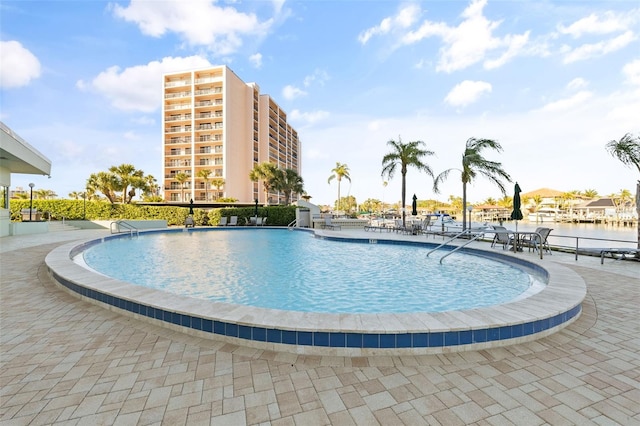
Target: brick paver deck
(64,361)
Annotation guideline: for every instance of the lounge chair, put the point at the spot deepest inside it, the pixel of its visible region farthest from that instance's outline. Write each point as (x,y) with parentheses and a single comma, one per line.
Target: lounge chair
(399,228)
(251,221)
(501,236)
(538,240)
(263,221)
(189,222)
(329,225)
(620,254)
(233,221)
(223,221)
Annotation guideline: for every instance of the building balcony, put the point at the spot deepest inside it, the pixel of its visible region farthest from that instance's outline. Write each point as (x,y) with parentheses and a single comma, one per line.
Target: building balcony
(177,83)
(174,107)
(177,95)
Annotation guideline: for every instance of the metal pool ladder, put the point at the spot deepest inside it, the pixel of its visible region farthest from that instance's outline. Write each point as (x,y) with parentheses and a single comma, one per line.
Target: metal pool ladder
(123,224)
(466,231)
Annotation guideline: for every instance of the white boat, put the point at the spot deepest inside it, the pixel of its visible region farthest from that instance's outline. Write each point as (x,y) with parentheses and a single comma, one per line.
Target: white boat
(546,214)
(446,224)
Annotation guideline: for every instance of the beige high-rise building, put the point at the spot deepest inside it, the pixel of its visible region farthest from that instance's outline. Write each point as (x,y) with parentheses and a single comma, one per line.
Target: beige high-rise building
(214,121)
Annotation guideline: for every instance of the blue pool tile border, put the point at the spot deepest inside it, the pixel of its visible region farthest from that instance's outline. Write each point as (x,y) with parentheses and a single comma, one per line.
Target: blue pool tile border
(325,339)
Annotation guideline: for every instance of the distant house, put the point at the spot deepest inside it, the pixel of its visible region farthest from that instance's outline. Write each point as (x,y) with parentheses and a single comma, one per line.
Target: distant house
(601,207)
(485,212)
(548,198)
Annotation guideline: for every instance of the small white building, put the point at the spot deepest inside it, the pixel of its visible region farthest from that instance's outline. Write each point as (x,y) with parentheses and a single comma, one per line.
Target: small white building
(16,156)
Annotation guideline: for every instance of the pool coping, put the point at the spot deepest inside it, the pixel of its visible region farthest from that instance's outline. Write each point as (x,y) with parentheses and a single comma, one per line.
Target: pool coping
(539,315)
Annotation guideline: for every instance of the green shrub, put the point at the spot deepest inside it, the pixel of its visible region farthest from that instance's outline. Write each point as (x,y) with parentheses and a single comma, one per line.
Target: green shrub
(175,216)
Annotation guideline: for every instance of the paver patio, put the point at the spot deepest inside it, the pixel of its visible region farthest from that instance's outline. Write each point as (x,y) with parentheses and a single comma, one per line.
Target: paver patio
(65,361)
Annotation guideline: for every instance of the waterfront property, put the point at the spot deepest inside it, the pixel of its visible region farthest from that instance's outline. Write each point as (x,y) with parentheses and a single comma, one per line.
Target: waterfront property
(212,120)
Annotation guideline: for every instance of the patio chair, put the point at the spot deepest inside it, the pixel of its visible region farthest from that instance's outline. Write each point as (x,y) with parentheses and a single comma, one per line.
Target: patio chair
(501,236)
(189,222)
(264,221)
(223,221)
(329,225)
(538,241)
(233,221)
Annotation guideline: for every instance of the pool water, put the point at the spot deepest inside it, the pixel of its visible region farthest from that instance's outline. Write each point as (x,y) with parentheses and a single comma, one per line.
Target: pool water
(280,269)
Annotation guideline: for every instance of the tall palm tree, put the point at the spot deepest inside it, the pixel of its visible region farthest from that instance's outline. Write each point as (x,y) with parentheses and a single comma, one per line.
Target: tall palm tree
(590,193)
(473,163)
(126,175)
(181,178)
(341,171)
(103,182)
(204,174)
(151,187)
(627,150)
(217,183)
(75,195)
(289,182)
(402,156)
(267,173)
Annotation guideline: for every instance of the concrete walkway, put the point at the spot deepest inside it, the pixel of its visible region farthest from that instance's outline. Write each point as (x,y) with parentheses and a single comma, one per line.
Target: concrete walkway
(64,361)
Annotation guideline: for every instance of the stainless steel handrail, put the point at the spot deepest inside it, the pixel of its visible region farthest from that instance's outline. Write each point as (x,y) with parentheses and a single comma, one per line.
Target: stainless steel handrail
(121,223)
(466,231)
(459,247)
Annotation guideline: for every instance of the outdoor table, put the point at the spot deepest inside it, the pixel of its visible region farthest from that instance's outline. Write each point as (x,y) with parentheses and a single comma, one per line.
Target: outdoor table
(519,235)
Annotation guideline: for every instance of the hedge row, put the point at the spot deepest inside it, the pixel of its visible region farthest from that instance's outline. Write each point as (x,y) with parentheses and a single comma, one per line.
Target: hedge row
(98,210)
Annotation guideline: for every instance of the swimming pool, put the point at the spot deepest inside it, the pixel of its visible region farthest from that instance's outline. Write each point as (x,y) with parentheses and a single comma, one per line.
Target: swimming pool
(346,334)
(279,269)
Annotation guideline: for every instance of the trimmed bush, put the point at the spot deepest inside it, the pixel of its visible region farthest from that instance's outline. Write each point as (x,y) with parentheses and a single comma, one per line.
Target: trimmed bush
(175,216)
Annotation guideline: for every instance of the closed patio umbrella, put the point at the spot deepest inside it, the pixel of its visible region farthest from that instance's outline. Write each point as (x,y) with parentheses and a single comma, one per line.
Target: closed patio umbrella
(516,214)
(414,206)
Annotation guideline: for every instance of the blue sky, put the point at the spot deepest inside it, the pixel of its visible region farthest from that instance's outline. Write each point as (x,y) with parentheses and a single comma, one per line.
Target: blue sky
(552,81)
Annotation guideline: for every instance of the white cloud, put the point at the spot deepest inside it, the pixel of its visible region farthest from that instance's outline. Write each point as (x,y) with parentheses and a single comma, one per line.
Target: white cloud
(137,88)
(632,72)
(515,44)
(199,23)
(403,19)
(594,24)
(307,117)
(467,92)
(568,103)
(290,92)
(587,51)
(19,65)
(469,42)
(318,76)
(577,83)
(256,60)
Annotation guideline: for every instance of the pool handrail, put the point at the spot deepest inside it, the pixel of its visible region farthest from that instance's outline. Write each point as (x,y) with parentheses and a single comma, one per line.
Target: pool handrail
(124,224)
(475,237)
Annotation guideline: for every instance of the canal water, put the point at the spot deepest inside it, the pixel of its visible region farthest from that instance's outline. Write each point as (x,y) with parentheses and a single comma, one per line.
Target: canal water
(589,235)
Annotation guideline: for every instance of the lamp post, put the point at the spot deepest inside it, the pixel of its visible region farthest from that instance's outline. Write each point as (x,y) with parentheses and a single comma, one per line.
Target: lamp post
(469,208)
(31,185)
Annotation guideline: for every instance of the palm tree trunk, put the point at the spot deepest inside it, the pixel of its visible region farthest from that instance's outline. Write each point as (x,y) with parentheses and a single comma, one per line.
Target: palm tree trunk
(464,206)
(404,197)
(638,211)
